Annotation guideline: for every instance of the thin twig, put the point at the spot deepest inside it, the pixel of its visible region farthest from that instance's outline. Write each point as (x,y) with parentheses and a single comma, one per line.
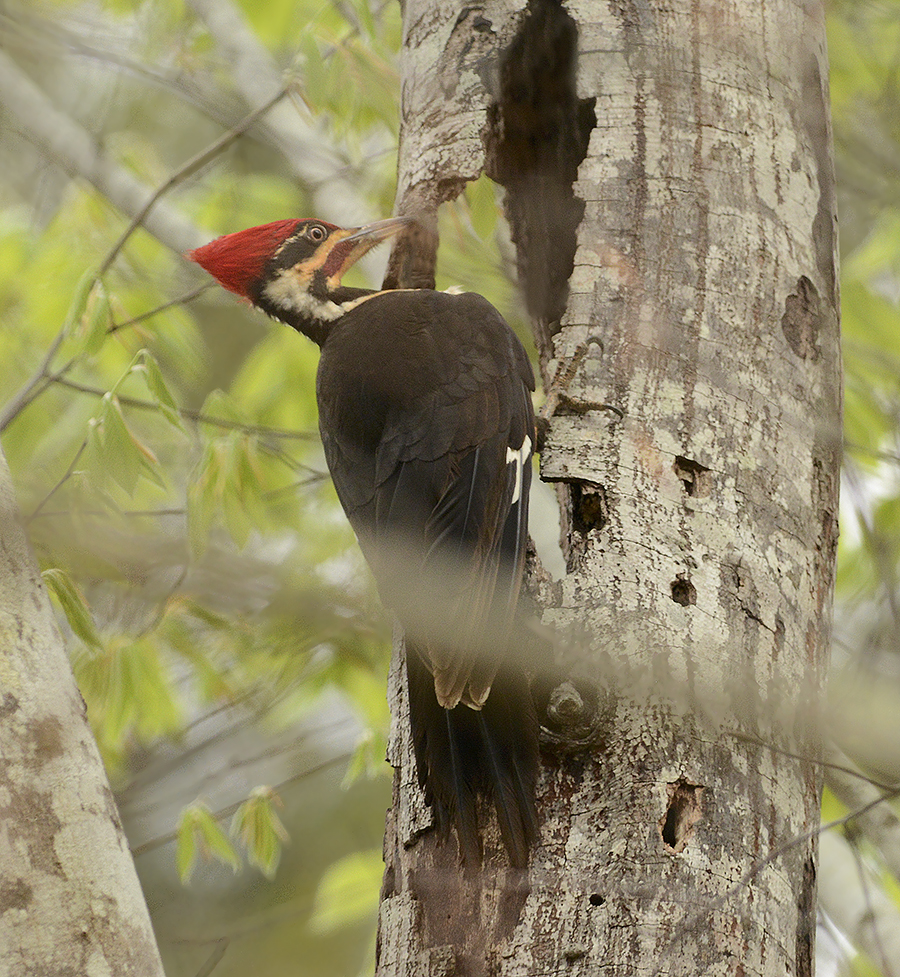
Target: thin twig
(188,412)
(144,316)
(126,513)
(161,840)
(213,960)
(59,484)
(816,761)
(184,171)
(33,386)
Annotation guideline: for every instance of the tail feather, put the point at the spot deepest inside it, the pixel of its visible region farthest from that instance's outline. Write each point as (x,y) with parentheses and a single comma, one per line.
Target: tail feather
(463,754)
(512,790)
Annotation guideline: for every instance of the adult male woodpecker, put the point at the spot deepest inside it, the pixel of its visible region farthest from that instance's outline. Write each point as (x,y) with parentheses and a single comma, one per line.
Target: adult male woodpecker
(427,424)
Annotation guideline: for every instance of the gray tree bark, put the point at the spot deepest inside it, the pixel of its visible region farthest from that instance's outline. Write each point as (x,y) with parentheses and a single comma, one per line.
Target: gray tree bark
(670,192)
(70,901)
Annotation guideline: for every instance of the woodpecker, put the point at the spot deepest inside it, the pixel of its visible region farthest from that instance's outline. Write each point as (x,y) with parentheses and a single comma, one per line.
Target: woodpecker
(428,430)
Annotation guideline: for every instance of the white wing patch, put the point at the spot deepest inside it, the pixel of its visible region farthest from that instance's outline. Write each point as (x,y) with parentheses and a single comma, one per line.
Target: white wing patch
(520,457)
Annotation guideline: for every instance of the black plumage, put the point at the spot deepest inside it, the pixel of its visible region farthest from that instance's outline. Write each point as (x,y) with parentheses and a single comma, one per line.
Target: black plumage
(427,425)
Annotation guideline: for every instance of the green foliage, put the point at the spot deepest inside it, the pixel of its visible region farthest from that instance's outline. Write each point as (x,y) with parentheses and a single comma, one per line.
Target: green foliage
(72,603)
(199,834)
(861,965)
(863,44)
(348,892)
(259,829)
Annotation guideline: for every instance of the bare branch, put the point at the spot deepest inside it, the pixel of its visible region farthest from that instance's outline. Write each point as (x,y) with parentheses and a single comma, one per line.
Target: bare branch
(37,383)
(191,414)
(184,171)
(70,146)
(881,825)
(307,147)
(144,316)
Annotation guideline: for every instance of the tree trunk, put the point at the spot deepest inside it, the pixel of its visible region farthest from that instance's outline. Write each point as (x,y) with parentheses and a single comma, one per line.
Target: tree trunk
(670,192)
(70,902)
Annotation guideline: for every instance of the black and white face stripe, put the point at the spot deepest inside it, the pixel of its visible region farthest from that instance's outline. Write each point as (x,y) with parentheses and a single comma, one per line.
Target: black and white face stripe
(288,292)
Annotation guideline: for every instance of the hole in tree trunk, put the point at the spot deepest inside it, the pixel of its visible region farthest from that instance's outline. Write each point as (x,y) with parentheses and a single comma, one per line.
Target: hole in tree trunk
(589,507)
(695,477)
(683,591)
(537,135)
(683,812)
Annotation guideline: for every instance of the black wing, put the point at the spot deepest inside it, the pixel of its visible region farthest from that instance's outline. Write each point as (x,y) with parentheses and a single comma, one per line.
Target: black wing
(432,463)
(431,460)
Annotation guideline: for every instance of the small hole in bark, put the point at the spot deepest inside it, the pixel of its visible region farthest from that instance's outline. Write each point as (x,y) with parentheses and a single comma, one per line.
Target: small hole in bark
(683,812)
(589,507)
(596,900)
(683,591)
(695,477)
(802,319)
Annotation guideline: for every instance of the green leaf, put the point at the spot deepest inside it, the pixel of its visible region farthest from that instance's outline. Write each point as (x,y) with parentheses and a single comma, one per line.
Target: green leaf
(202,499)
(89,327)
(348,892)
(260,829)
(79,302)
(234,512)
(200,833)
(216,842)
(120,449)
(156,385)
(73,605)
(185,847)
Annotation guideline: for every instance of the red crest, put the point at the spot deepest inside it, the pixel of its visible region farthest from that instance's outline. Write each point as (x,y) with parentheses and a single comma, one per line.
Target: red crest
(237,260)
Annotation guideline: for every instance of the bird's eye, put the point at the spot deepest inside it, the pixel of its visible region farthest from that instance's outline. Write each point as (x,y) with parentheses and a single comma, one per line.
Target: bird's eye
(316,233)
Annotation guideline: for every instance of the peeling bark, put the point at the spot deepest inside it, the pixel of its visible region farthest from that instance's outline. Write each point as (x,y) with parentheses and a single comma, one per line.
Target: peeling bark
(70,901)
(670,192)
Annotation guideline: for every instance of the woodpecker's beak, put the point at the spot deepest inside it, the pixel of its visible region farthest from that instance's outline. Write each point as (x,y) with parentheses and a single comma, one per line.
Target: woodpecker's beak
(379,230)
(346,251)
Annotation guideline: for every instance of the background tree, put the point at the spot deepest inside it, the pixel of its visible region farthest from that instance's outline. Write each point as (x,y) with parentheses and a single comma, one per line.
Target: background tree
(239,643)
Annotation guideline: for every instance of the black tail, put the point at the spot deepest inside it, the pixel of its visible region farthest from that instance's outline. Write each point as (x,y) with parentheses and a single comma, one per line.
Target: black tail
(463,754)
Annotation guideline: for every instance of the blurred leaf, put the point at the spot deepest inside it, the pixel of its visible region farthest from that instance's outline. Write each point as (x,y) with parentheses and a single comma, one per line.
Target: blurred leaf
(73,605)
(202,498)
(186,847)
(259,829)
(80,297)
(891,886)
(862,966)
(92,326)
(147,367)
(120,452)
(832,808)
(199,833)
(348,892)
